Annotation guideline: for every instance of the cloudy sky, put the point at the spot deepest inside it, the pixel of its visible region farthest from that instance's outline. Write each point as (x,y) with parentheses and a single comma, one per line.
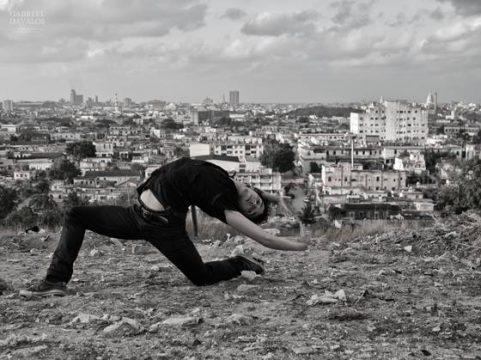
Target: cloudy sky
(270,50)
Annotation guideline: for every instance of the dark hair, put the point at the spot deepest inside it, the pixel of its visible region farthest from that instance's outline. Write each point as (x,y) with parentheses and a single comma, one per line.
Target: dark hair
(262,217)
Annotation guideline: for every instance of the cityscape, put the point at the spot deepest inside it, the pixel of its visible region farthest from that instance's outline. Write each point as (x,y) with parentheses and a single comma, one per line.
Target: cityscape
(386,159)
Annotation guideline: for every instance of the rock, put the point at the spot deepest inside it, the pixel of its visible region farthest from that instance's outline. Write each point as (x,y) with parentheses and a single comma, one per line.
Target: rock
(246,288)
(84,318)
(408,248)
(125,327)
(155,327)
(95,253)
(239,319)
(29,352)
(436,329)
(238,250)
(140,249)
(239,239)
(316,299)
(155,268)
(117,243)
(452,234)
(249,275)
(182,321)
(3,286)
(273,231)
(301,350)
(340,295)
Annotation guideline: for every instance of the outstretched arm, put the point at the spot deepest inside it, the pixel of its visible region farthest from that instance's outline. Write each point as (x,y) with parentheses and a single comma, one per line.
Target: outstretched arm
(255,232)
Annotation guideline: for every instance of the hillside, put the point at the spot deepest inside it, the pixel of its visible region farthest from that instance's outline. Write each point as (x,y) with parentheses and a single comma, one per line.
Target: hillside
(405,295)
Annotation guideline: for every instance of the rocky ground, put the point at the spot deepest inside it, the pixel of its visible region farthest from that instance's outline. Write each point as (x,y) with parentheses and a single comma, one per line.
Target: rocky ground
(398,295)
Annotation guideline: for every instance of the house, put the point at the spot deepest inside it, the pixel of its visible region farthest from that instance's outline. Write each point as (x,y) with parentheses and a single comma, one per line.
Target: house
(23,175)
(412,163)
(115,177)
(364,210)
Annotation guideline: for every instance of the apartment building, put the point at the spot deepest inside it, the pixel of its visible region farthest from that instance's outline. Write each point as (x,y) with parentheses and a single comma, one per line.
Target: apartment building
(238,149)
(392,121)
(349,178)
(321,154)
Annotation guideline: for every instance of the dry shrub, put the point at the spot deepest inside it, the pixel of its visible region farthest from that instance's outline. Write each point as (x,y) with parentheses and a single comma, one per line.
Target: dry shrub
(366,228)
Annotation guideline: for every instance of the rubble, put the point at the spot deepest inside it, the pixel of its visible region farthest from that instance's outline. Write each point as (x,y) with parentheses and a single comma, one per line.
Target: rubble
(182,320)
(380,301)
(124,327)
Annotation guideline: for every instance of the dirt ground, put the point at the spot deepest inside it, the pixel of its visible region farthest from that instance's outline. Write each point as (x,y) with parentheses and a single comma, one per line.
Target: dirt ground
(405,295)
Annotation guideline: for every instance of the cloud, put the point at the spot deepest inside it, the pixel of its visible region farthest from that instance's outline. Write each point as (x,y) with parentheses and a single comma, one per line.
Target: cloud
(351,14)
(277,24)
(402,19)
(465,7)
(437,14)
(234,14)
(113,19)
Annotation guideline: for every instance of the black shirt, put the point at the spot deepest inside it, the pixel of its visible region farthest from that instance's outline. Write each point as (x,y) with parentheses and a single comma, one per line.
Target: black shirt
(186,182)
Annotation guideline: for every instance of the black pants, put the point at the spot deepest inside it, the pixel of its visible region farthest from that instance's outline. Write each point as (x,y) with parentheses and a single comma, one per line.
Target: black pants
(170,239)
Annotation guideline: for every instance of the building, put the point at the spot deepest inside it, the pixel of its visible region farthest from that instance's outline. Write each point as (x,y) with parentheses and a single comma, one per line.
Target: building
(364,210)
(412,163)
(344,178)
(127,102)
(395,121)
(234,98)
(7,105)
(241,149)
(76,99)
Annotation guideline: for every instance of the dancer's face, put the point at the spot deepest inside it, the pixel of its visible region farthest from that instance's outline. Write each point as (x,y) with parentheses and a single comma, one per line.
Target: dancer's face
(250,202)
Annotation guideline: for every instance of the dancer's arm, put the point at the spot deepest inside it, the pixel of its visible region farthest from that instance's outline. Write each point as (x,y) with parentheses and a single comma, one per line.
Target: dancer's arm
(255,232)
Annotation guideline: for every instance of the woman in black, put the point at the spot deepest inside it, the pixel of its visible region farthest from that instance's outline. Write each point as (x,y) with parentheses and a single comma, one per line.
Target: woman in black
(160,217)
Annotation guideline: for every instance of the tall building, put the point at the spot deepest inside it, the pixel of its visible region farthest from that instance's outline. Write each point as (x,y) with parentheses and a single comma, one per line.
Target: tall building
(7,105)
(234,98)
(76,99)
(432,101)
(127,102)
(392,121)
(116,104)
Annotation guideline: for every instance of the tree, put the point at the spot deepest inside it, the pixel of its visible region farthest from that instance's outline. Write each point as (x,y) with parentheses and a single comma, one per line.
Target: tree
(170,124)
(314,167)
(7,199)
(24,217)
(431,158)
(42,186)
(42,202)
(277,156)
(65,170)
(81,149)
(465,192)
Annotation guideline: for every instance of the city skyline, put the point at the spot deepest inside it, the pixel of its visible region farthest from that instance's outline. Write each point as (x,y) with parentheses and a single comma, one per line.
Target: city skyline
(303,52)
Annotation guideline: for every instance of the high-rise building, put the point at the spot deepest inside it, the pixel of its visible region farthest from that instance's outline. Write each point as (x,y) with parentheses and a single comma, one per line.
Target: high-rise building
(234,98)
(76,99)
(392,121)
(127,102)
(432,101)
(7,105)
